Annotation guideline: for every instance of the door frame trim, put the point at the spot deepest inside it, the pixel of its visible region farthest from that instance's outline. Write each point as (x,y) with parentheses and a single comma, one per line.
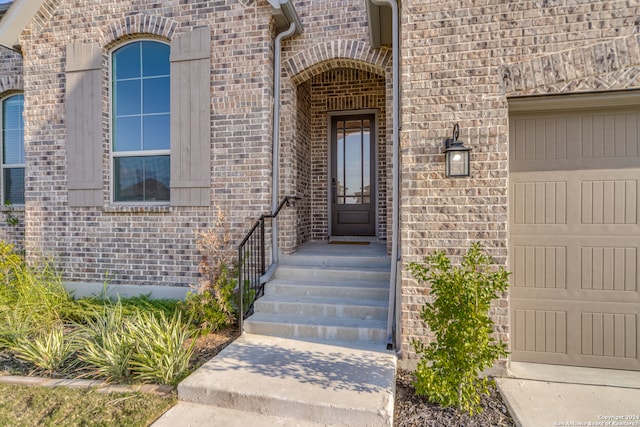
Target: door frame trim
(376,177)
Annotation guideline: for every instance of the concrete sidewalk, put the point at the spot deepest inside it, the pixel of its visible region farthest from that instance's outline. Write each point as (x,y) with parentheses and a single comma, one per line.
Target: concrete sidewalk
(548,395)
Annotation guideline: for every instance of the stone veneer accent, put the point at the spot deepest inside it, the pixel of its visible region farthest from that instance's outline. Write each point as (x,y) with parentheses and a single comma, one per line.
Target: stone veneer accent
(566,71)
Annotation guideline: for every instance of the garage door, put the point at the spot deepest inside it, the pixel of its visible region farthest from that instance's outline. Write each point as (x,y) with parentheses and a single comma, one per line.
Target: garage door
(574,246)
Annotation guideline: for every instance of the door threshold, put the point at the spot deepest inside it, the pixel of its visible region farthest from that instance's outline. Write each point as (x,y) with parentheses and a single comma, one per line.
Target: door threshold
(354,239)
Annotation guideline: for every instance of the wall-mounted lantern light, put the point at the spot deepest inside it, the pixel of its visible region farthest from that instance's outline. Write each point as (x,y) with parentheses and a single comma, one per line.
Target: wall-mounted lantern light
(456,155)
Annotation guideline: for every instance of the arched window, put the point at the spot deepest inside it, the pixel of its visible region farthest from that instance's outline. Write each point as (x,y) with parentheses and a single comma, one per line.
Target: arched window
(13,150)
(141,122)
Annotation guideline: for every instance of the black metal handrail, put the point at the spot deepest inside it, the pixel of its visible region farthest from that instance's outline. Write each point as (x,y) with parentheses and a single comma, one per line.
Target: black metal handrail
(252,262)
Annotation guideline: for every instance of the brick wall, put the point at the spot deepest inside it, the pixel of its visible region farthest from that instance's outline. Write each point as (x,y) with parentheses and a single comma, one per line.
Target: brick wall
(303,172)
(146,245)
(155,245)
(460,61)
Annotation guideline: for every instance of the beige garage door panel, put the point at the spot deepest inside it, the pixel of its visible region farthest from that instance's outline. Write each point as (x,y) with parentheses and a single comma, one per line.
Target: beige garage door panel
(589,202)
(592,268)
(582,334)
(574,140)
(574,248)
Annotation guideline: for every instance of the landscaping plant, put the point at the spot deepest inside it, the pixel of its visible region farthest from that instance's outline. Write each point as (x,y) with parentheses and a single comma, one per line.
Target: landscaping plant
(122,340)
(160,354)
(106,345)
(213,306)
(31,293)
(49,351)
(449,369)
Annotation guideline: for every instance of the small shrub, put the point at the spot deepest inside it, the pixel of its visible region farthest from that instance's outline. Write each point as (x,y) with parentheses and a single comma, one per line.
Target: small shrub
(213,306)
(49,351)
(449,369)
(160,354)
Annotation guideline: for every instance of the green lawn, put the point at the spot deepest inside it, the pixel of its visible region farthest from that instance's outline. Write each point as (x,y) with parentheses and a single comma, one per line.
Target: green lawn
(62,406)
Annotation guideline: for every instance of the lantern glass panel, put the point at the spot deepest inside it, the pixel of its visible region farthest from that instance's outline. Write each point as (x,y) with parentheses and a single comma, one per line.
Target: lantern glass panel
(457,163)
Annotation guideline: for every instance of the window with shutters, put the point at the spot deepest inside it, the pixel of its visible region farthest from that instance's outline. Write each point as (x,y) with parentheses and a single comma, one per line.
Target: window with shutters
(141,122)
(160,129)
(13,150)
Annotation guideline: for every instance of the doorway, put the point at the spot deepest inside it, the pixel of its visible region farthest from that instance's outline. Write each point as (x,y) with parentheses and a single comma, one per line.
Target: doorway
(353,174)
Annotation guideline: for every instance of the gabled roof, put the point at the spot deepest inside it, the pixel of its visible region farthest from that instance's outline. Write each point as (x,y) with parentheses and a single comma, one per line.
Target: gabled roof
(16,19)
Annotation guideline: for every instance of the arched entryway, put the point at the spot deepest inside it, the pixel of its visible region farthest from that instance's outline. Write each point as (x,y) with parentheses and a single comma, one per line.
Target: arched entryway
(338,159)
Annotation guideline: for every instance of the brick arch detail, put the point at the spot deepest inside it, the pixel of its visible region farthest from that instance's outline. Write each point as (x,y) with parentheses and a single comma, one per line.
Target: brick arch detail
(10,84)
(43,15)
(121,28)
(608,65)
(336,54)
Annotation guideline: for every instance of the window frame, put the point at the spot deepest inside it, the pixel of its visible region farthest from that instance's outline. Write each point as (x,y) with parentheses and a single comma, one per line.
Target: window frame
(3,167)
(138,153)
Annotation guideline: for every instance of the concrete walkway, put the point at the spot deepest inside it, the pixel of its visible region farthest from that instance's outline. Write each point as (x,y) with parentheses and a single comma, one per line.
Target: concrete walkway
(269,381)
(548,395)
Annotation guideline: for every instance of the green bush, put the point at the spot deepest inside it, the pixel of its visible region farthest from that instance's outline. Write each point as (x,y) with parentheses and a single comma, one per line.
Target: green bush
(449,369)
(33,292)
(214,307)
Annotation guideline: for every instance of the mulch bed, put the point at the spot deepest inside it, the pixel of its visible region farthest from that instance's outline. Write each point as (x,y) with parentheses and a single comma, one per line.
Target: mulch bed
(207,346)
(415,411)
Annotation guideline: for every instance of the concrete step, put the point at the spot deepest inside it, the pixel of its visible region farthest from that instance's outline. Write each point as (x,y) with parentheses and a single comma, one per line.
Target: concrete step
(347,260)
(314,306)
(312,382)
(306,272)
(319,328)
(367,290)
(194,415)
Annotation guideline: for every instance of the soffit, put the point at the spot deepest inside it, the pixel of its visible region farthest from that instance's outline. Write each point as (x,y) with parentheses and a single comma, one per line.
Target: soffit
(380,24)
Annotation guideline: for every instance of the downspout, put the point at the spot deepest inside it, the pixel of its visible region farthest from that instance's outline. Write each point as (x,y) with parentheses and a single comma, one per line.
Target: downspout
(395,227)
(276,133)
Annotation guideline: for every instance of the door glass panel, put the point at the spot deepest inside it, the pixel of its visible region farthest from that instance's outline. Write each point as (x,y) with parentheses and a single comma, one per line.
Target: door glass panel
(366,164)
(353,162)
(340,164)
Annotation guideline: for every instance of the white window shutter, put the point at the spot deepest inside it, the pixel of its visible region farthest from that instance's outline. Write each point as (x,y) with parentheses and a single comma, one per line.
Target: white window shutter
(191,118)
(84,124)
